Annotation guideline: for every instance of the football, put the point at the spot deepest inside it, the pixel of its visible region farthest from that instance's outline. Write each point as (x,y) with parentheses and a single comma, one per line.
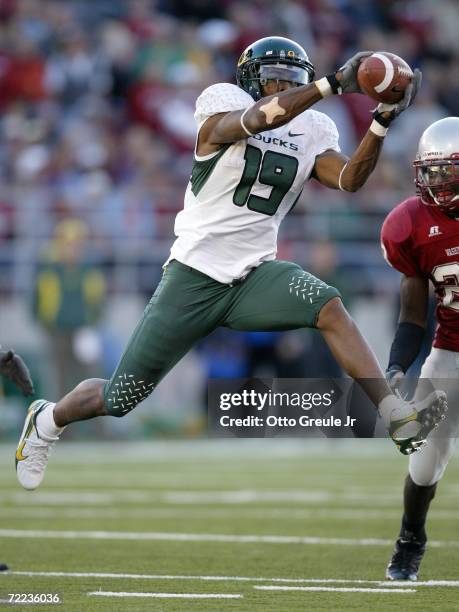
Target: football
(384,77)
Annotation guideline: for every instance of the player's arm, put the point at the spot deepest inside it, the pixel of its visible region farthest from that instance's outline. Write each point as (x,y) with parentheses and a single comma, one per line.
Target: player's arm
(338,171)
(273,111)
(414,295)
(267,114)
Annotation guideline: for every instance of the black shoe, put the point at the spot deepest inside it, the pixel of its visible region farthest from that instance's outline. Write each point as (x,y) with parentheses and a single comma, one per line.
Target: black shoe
(407,558)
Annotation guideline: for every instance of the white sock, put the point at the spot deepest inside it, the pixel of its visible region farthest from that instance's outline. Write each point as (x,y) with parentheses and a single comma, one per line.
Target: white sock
(47,428)
(392,407)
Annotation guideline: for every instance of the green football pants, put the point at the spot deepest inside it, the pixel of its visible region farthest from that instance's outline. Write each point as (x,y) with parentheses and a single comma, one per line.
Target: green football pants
(188,305)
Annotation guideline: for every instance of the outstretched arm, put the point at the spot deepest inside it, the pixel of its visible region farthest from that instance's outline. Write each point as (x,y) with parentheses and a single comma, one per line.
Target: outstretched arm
(337,171)
(273,111)
(267,114)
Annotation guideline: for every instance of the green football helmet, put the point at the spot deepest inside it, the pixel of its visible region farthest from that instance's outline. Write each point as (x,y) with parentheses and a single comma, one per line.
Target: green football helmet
(273,57)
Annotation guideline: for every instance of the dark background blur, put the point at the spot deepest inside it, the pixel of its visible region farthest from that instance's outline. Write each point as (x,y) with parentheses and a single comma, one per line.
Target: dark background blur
(96,138)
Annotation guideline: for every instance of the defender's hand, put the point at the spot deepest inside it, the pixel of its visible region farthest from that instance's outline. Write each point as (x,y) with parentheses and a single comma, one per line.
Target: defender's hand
(394,376)
(386,113)
(347,74)
(14,368)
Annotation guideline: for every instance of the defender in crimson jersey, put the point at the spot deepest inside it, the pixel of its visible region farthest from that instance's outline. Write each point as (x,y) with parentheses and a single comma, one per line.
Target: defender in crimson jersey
(421,241)
(420,238)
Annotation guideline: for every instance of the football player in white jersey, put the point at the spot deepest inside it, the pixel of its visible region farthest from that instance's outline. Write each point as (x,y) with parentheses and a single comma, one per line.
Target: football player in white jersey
(257,144)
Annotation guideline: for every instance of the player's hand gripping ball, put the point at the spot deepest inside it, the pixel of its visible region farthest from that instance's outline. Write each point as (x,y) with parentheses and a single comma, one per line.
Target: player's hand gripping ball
(384,77)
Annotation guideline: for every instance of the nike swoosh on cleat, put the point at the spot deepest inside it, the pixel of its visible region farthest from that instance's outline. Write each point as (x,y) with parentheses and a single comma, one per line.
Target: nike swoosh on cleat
(19,455)
(293,135)
(20,448)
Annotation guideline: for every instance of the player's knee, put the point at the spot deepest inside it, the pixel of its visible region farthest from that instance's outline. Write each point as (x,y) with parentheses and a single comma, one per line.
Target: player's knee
(427,477)
(124,392)
(333,315)
(427,468)
(90,392)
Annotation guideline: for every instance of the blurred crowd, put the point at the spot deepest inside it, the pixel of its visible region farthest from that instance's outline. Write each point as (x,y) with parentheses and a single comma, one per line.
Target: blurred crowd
(96,125)
(97,101)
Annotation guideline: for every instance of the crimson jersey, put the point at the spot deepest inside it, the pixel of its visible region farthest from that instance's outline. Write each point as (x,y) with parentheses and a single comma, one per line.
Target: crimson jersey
(420,240)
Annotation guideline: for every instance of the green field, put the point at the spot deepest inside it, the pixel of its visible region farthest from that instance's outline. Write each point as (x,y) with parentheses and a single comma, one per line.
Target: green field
(261,525)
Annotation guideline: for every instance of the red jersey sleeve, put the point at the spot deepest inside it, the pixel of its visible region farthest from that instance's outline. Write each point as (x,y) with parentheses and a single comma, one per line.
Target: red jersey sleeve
(396,241)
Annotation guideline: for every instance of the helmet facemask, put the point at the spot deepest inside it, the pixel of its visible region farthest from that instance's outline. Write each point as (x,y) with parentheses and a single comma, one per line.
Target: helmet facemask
(273,58)
(437,166)
(437,181)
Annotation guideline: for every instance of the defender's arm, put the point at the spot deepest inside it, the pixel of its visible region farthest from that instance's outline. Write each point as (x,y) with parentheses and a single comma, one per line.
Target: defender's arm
(414,294)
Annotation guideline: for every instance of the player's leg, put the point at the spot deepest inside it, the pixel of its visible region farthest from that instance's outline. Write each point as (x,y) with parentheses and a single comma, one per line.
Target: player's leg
(426,468)
(351,350)
(280,295)
(425,471)
(185,307)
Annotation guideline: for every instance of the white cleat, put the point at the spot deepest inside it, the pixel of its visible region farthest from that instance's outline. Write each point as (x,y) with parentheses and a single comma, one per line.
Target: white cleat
(409,432)
(32,451)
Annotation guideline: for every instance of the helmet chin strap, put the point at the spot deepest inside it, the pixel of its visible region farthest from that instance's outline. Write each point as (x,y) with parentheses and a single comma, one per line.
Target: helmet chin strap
(439,203)
(433,197)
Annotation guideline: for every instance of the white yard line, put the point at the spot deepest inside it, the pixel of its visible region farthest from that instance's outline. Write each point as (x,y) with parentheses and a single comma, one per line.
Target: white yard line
(111,576)
(113,453)
(82,498)
(167,595)
(38,511)
(333,589)
(424,583)
(204,537)
(244,497)
(248,496)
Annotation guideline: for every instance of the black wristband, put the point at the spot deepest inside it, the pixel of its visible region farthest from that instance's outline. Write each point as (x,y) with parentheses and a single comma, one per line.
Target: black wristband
(377,116)
(406,345)
(334,83)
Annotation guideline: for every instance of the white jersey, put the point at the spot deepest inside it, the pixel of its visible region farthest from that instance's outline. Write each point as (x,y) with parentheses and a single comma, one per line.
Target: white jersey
(238,196)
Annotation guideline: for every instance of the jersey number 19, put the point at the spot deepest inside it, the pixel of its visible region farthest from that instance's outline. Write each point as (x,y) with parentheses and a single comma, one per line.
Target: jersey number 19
(274,169)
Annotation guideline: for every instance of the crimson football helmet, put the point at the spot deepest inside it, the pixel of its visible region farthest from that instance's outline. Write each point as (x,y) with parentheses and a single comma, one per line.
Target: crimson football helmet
(437,166)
